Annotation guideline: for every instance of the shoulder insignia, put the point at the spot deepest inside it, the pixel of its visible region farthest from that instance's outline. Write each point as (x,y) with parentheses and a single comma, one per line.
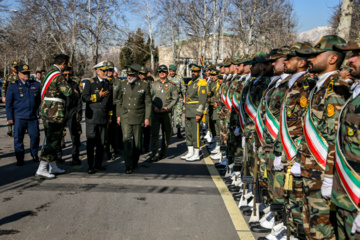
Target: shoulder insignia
(172,82)
(189,82)
(123,80)
(202,82)
(351,131)
(303,102)
(92,80)
(305,84)
(331,86)
(330,110)
(203,91)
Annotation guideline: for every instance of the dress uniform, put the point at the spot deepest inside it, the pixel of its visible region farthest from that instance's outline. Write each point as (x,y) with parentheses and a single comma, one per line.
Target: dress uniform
(133,109)
(22,103)
(164,95)
(99,103)
(146,130)
(10,78)
(196,97)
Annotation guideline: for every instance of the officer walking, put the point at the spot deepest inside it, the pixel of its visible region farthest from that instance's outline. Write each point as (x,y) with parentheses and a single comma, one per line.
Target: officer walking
(22,103)
(10,78)
(196,97)
(133,111)
(146,130)
(98,97)
(164,95)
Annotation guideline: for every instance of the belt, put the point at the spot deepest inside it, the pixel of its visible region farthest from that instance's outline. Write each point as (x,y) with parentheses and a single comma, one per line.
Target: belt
(54,99)
(192,102)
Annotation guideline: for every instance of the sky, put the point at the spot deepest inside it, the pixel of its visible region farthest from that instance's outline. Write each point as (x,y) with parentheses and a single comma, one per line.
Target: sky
(309,13)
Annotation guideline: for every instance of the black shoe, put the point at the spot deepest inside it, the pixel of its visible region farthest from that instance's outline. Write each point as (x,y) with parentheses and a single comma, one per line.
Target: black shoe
(179,134)
(247,213)
(254,224)
(36,159)
(19,164)
(9,134)
(260,229)
(155,158)
(91,171)
(128,171)
(100,167)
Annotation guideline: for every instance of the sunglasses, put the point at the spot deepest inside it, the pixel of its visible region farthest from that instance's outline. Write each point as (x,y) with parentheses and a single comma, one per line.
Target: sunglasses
(103,70)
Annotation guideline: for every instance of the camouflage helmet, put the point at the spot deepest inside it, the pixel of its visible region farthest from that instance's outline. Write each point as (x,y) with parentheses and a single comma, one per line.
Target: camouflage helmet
(226,62)
(350,46)
(236,60)
(325,44)
(259,57)
(278,53)
(298,46)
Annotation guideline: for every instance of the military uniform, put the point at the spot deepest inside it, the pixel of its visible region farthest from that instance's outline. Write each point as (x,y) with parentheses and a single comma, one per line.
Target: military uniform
(22,103)
(163,94)
(133,107)
(214,120)
(181,87)
(146,130)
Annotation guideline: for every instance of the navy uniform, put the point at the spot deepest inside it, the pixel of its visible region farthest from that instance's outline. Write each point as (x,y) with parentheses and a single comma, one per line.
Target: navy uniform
(97,114)
(22,102)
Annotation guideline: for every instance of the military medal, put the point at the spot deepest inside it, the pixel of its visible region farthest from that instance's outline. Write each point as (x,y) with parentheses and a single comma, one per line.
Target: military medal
(21,95)
(303,102)
(288,112)
(351,132)
(330,110)
(166,88)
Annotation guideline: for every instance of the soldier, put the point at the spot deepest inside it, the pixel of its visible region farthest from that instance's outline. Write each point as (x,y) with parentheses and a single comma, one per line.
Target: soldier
(164,95)
(146,130)
(213,96)
(133,110)
(22,103)
(196,97)
(181,87)
(38,76)
(346,188)
(73,115)
(10,78)
(54,90)
(317,148)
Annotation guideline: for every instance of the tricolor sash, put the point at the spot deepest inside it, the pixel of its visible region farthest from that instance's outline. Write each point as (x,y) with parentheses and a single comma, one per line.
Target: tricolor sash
(259,125)
(286,141)
(235,103)
(48,79)
(228,100)
(271,122)
(350,179)
(317,144)
(250,108)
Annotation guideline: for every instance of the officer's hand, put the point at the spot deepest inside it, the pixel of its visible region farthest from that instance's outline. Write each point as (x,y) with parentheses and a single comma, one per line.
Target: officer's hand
(164,109)
(3,99)
(10,122)
(183,100)
(103,94)
(198,118)
(118,120)
(157,110)
(147,123)
(76,91)
(356,225)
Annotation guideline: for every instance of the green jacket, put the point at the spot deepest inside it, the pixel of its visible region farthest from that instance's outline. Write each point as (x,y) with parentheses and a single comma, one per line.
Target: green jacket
(213,95)
(180,84)
(196,97)
(164,94)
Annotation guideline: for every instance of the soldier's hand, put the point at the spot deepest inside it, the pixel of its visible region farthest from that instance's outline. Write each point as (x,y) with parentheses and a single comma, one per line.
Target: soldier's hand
(164,109)
(11,121)
(146,122)
(103,94)
(4,99)
(198,118)
(118,120)
(76,91)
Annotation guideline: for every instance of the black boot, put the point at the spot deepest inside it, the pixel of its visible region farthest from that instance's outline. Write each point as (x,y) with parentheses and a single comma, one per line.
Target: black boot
(19,158)
(59,158)
(179,133)
(76,160)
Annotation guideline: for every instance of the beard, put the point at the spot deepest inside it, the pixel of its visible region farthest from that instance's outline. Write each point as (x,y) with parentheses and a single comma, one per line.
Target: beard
(356,72)
(317,69)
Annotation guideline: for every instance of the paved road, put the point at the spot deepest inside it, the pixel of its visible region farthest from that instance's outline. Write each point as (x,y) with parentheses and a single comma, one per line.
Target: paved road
(170,199)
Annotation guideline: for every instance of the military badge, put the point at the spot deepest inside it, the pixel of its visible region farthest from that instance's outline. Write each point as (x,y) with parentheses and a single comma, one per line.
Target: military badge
(25,67)
(141,91)
(303,102)
(21,95)
(288,112)
(166,88)
(330,110)
(168,96)
(351,131)
(159,86)
(203,91)
(331,86)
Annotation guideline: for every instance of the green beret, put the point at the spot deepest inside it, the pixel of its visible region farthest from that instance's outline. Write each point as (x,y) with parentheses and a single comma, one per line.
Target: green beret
(172,67)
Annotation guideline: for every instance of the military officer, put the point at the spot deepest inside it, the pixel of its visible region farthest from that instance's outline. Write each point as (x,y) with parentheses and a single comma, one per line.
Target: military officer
(54,90)
(196,97)
(10,78)
(133,110)
(181,87)
(146,130)
(347,171)
(164,95)
(99,103)
(22,103)
(214,120)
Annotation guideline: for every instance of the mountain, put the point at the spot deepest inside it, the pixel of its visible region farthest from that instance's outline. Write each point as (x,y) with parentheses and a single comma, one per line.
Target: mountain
(313,35)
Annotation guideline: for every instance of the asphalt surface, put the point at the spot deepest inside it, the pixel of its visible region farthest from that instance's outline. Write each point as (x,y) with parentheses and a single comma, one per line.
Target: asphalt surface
(169,199)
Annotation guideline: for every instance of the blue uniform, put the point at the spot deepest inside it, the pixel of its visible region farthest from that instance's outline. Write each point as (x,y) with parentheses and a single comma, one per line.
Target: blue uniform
(22,103)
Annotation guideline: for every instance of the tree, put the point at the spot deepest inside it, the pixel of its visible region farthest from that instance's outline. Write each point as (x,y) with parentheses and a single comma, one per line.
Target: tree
(351,22)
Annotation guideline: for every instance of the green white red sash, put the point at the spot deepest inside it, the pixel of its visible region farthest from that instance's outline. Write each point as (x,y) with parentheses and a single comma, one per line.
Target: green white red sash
(271,122)
(250,108)
(259,125)
(51,75)
(349,178)
(228,101)
(286,141)
(235,103)
(223,94)
(317,145)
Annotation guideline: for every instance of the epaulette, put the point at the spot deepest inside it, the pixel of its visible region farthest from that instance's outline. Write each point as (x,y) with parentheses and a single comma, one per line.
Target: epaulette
(145,81)
(92,80)
(123,80)
(202,82)
(172,82)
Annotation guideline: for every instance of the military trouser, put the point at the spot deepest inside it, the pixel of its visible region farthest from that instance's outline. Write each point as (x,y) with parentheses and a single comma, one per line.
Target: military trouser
(250,154)
(147,136)
(95,135)
(316,211)
(192,132)
(111,137)
(224,131)
(72,125)
(296,197)
(132,155)
(214,127)
(163,121)
(178,113)
(345,221)
(53,134)
(20,126)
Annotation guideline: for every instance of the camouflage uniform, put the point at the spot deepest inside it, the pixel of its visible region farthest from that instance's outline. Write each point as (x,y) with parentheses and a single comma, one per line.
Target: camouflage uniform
(10,78)
(181,86)
(213,98)
(52,113)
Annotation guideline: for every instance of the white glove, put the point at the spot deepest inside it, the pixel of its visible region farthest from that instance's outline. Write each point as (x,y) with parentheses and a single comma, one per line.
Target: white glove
(277,164)
(356,225)
(243,142)
(326,188)
(254,147)
(296,170)
(237,131)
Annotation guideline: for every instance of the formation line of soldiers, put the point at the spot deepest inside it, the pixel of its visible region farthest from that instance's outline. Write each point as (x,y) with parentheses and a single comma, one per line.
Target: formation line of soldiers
(285,129)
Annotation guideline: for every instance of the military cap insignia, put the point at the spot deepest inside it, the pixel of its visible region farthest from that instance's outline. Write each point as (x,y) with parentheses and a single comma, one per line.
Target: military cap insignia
(15,62)
(331,86)
(303,102)
(350,131)
(168,96)
(288,112)
(330,110)
(25,67)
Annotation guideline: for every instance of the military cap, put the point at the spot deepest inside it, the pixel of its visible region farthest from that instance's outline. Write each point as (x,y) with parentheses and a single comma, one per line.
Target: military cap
(143,70)
(162,68)
(14,64)
(220,76)
(350,46)
(278,53)
(245,59)
(298,46)
(326,43)
(259,57)
(110,65)
(101,66)
(345,66)
(226,62)
(236,60)
(69,65)
(172,67)
(211,67)
(195,67)
(213,71)
(23,68)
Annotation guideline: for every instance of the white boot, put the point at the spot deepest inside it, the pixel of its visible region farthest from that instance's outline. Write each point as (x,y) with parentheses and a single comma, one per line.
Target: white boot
(43,172)
(195,157)
(268,220)
(53,168)
(207,136)
(275,232)
(189,154)
(216,156)
(216,150)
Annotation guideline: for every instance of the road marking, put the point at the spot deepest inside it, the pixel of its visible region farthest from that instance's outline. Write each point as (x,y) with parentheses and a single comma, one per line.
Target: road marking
(239,222)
